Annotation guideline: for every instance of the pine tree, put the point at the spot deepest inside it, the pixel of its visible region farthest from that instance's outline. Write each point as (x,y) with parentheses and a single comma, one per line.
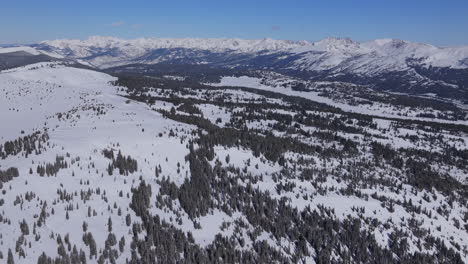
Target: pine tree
(109,225)
(128,220)
(10,259)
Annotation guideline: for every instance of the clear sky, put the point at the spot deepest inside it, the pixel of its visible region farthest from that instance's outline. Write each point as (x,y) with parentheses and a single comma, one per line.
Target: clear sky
(443,23)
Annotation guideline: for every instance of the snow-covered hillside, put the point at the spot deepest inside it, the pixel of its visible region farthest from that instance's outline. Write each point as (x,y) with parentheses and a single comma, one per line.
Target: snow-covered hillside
(28,50)
(82,115)
(163,169)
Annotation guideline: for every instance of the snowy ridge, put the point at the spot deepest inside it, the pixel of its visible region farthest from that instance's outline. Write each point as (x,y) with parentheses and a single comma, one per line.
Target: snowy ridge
(329,53)
(29,50)
(141,44)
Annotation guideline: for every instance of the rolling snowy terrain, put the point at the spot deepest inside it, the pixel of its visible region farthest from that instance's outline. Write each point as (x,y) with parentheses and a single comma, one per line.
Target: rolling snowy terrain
(149,163)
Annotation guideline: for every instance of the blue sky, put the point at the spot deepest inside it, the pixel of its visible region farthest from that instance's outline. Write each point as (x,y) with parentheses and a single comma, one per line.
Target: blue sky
(443,23)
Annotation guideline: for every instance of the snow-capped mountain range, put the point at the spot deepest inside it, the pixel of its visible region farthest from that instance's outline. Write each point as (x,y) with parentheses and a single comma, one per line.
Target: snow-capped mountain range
(384,64)
(321,55)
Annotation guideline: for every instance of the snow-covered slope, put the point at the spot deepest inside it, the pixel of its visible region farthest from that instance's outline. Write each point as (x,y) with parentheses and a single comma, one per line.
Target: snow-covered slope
(100,169)
(329,53)
(81,114)
(378,55)
(28,50)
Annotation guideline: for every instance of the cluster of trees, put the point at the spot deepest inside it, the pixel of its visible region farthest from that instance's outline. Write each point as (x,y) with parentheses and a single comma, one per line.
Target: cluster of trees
(51,169)
(189,108)
(141,198)
(8,175)
(65,257)
(33,143)
(272,147)
(125,165)
(89,241)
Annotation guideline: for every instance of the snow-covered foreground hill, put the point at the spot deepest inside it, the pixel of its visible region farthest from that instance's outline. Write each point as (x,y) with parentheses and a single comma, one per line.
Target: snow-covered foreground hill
(100,169)
(82,115)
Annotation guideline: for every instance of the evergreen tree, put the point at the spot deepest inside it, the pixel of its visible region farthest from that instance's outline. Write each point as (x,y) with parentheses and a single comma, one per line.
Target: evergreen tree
(10,259)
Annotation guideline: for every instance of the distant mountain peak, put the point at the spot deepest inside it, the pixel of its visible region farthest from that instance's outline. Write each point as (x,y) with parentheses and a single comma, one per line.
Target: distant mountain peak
(333,43)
